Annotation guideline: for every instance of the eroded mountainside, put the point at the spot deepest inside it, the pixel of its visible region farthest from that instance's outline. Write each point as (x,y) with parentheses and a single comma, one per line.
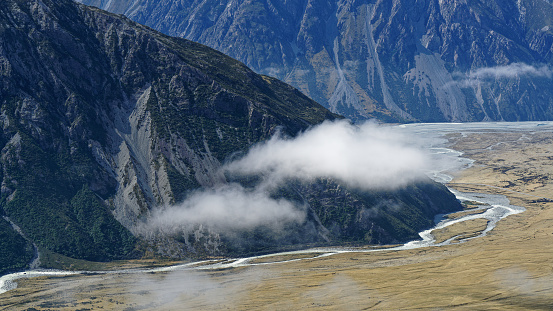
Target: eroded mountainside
(104,119)
(415,60)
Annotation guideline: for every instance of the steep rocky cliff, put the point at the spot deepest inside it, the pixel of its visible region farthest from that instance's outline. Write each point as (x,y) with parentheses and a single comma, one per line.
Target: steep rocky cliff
(396,60)
(104,119)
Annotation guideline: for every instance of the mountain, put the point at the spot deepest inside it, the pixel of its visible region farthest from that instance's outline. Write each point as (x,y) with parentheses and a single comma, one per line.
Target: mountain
(395,60)
(104,120)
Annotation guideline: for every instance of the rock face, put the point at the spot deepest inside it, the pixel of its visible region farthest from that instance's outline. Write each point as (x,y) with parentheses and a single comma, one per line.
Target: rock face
(104,119)
(416,60)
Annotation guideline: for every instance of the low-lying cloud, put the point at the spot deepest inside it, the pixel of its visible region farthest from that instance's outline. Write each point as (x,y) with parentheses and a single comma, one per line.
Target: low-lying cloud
(504,72)
(365,157)
(226,208)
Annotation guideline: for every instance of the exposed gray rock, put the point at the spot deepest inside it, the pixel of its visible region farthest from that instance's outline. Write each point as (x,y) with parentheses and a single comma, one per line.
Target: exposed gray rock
(394,60)
(105,119)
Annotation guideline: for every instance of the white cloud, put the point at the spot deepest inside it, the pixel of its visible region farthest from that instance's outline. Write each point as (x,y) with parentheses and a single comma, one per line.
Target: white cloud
(226,208)
(510,71)
(366,157)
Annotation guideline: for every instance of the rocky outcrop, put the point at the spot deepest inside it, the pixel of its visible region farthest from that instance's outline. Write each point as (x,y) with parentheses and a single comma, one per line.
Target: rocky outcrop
(417,60)
(104,119)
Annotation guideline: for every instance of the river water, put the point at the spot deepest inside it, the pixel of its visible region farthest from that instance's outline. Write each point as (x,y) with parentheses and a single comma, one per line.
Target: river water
(445,161)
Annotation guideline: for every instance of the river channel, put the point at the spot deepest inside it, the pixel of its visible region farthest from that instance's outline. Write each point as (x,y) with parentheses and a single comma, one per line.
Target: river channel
(431,137)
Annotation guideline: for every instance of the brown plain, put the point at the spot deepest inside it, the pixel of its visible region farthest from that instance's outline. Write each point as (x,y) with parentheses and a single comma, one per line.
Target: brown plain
(509,269)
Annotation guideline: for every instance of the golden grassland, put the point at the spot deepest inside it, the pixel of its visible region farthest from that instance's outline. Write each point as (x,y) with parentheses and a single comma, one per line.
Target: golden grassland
(509,269)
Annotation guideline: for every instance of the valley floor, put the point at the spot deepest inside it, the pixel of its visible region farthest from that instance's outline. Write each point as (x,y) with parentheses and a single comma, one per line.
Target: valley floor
(509,269)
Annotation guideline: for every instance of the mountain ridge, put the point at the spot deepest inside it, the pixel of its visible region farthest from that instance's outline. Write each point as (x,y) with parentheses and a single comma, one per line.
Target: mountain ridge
(390,60)
(105,119)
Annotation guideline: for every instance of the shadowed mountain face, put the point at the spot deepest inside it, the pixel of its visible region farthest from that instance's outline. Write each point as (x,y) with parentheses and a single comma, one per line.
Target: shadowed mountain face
(416,60)
(104,120)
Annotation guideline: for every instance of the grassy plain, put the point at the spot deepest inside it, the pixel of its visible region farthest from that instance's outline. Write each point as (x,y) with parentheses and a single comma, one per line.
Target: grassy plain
(509,269)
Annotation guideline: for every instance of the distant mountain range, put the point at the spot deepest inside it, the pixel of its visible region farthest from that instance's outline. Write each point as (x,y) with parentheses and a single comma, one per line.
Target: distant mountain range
(104,120)
(394,60)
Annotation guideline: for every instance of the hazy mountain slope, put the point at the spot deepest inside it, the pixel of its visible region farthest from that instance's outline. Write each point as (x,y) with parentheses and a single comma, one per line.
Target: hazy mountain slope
(104,119)
(423,60)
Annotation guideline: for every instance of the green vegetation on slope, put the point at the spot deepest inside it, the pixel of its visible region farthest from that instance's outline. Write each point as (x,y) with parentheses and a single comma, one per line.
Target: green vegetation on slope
(72,74)
(15,251)
(103,117)
(380,216)
(54,207)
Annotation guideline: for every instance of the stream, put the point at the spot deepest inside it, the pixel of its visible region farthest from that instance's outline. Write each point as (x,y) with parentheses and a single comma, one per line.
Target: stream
(494,207)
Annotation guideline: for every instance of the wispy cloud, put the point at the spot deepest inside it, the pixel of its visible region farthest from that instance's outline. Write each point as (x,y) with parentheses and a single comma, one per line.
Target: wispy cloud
(226,208)
(365,157)
(192,290)
(510,71)
(521,281)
